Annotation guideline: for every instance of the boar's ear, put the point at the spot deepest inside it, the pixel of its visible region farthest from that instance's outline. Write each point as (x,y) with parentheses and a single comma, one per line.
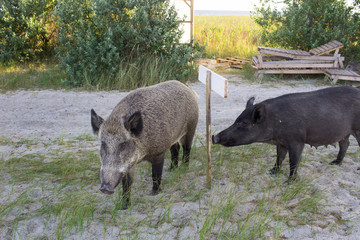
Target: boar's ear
(96,122)
(258,114)
(250,102)
(134,123)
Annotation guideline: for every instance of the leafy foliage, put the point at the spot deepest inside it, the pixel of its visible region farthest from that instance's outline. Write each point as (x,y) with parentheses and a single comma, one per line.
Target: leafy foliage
(305,24)
(27,29)
(96,38)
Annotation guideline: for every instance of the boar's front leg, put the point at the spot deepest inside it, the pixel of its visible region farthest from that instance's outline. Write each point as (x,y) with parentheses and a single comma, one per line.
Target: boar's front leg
(157,167)
(281,152)
(343,145)
(295,151)
(127,181)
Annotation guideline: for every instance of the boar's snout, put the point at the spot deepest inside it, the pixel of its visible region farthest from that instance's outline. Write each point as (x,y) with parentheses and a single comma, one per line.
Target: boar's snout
(107,189)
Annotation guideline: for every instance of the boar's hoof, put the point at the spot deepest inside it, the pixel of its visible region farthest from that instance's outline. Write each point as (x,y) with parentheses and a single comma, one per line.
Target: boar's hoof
(292,179)
(335,162)
(123,204)
(155,192)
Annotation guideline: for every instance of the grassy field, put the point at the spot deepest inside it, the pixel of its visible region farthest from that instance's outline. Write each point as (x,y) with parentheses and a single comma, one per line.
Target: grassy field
(56,191)
(226,36)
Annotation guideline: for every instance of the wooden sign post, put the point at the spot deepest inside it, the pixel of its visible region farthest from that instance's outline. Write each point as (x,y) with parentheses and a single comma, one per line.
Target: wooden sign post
(214,82)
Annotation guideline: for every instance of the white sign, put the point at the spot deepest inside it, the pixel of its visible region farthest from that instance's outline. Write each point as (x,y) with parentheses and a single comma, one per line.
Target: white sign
(219,84)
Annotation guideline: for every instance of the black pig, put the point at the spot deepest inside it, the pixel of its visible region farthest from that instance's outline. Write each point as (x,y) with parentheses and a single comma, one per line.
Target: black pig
(317,118)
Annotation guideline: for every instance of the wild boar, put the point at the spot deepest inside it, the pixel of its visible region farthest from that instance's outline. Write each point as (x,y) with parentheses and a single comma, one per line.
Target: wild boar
(317,118)
(142,126)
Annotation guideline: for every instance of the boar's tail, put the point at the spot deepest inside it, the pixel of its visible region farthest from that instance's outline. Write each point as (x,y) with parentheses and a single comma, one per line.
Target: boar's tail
(195,94)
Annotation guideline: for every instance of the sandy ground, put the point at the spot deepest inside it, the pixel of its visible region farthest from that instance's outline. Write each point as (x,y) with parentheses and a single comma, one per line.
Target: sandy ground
(52,114)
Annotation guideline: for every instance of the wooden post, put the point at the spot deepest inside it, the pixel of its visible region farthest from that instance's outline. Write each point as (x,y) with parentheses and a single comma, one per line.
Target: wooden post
(208,129)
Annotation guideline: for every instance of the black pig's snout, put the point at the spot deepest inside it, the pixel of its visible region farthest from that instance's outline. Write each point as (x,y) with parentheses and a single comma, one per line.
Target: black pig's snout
(107,189)
(215,139)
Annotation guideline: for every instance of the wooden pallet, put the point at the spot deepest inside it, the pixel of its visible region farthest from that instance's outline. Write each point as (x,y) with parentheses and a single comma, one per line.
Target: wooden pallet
(287,61)
(343,74)
(327,48)
(234,62)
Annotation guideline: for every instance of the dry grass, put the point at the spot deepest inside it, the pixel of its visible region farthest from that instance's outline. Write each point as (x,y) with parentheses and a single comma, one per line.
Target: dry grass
(227,35)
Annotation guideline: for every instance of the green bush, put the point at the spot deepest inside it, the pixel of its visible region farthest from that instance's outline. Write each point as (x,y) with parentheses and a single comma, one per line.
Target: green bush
(305,24)
(27,29)
(101,40)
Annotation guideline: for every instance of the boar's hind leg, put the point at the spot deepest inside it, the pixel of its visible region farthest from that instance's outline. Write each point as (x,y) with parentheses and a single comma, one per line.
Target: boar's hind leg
(295,151)
(127,181)
(157,167)
(174,155)
(281,152)
(343,145)
(186,143)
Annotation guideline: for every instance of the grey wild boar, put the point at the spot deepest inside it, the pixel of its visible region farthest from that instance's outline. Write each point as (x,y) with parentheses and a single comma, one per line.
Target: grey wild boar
(317,118)
(142,126)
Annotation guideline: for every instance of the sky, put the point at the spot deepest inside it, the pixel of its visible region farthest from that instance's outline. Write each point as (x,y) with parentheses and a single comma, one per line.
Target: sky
(230,5)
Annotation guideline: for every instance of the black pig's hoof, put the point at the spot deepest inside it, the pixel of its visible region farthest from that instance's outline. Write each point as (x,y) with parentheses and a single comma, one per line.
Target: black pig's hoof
(155,192)
(335,162)
(274,171)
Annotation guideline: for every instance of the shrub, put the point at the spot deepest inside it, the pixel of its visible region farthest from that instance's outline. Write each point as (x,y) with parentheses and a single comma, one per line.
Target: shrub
(27,29)
(98,39)
(305,24)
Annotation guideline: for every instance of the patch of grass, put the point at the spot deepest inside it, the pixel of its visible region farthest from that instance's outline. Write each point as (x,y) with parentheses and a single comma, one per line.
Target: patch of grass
(244,202)
(37,75)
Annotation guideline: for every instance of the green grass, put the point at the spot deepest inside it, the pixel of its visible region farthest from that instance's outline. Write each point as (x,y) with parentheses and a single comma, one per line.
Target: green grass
(37,75)
(244,202)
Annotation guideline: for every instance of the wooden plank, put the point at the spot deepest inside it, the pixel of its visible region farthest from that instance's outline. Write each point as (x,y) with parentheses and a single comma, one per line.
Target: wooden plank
(293,64)
(219,84)
(261,62)
(255,59)
(343,72)
(290,71)
(208,128)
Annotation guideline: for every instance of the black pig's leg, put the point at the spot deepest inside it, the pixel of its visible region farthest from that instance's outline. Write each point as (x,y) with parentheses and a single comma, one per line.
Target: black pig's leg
(295,151)
(174,155)
(127,181)
(343,145)
(157,167)
(281,152)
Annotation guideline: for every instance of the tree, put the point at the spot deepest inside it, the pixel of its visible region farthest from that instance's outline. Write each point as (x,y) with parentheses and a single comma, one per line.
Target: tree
(305,24)
(97,36)
(27,29)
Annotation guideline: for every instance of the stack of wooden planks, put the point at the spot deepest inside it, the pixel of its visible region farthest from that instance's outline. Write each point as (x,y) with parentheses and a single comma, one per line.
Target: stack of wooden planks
(233,62)
(318,60)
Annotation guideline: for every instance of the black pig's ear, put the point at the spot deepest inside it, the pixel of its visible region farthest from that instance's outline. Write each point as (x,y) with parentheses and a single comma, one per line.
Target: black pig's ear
(258,114)
(96,122)
(134,123)
(250,102)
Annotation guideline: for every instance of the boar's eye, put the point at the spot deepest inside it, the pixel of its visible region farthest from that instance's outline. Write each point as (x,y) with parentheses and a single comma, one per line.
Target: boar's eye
(103,147)
(122,146)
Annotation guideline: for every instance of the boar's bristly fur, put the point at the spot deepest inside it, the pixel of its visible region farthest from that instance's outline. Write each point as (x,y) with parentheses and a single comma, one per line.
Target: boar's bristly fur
(143,125)
(317,118)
